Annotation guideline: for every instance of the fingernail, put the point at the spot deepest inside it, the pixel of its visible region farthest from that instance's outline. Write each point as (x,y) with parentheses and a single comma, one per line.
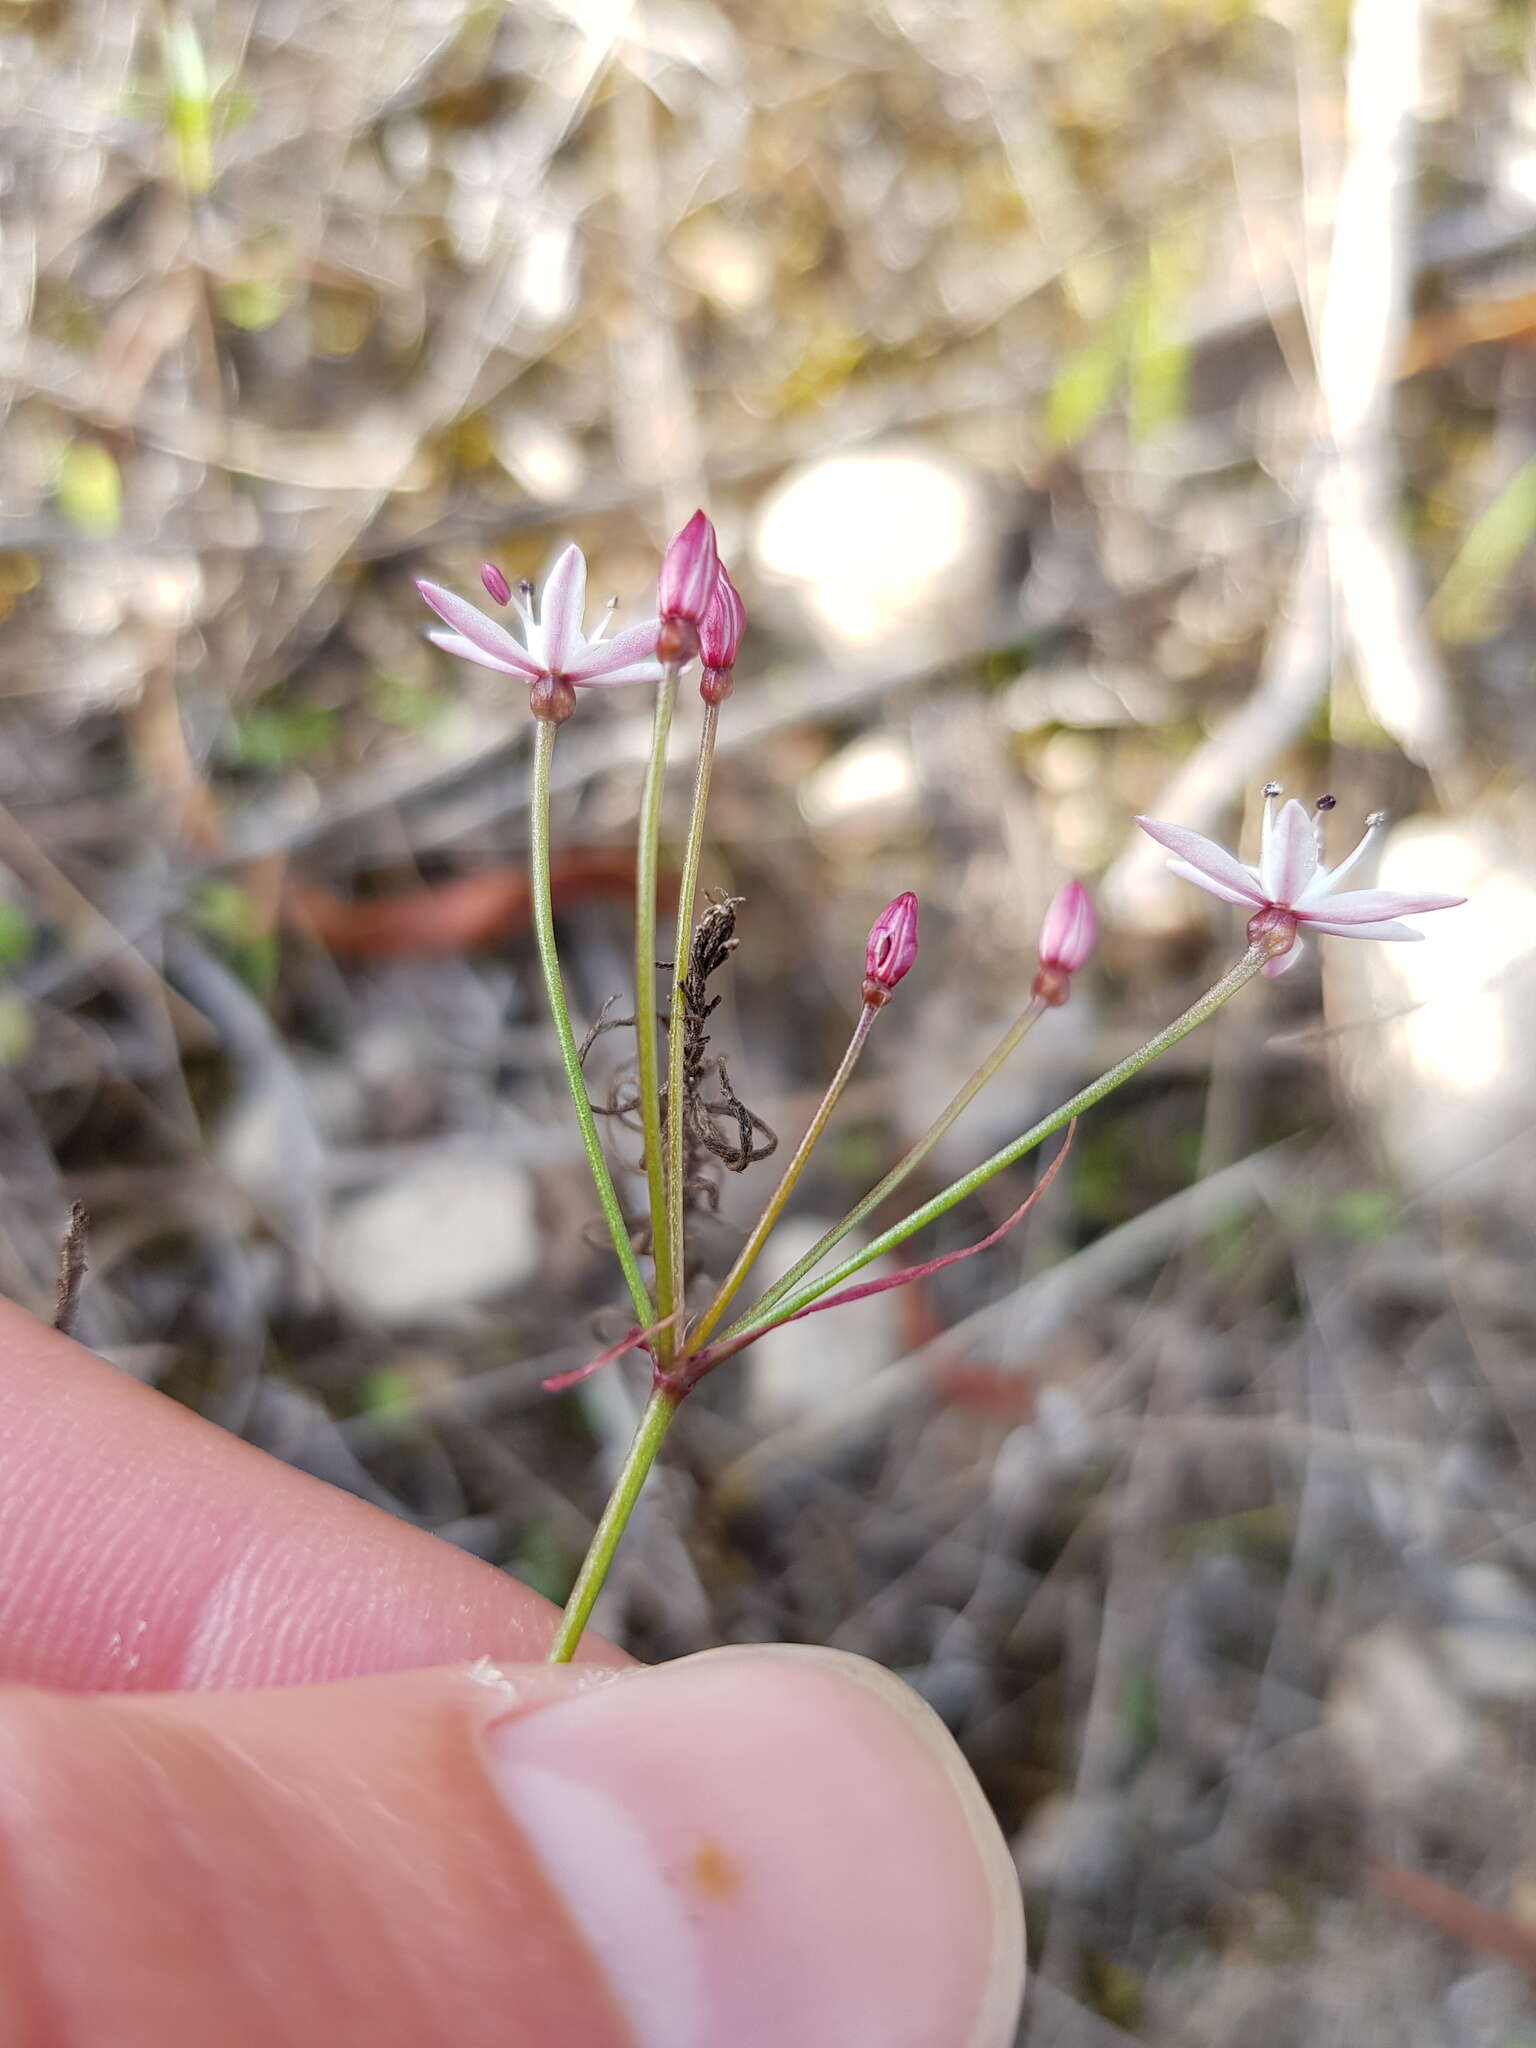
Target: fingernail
(769,1846)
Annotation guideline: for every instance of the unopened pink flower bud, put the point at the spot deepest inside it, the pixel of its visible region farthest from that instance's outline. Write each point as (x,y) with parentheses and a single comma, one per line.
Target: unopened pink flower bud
(685,585)
(1070,929)
(892,948)
(1066,939)
(724,621)
(497,586)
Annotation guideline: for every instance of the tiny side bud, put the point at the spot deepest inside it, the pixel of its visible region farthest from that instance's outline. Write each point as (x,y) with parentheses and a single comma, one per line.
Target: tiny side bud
(496,585)
(891,949)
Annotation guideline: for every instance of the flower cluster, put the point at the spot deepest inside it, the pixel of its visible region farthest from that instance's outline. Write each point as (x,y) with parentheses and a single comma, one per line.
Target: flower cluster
(682,1103)
(699,611)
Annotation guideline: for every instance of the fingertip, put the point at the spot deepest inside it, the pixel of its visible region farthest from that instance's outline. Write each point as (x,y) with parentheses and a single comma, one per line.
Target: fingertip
(771,1845)
(148,1549)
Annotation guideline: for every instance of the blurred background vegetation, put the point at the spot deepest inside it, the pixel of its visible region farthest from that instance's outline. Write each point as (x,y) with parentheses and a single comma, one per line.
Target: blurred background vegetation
(1105,405)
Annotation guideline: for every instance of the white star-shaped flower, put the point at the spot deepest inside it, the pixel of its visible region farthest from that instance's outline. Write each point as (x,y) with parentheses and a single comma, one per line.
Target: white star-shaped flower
(1290,889)
(554,642)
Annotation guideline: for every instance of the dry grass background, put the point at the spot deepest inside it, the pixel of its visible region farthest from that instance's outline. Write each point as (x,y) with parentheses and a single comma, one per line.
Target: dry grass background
(1108,405)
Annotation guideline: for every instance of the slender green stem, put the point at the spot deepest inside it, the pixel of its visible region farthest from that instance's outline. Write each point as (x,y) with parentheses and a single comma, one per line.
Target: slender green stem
(757,1318)
(687,889)
(638,1460)
(781,1194)
(910,1161)
(570,1059)
(646,1044)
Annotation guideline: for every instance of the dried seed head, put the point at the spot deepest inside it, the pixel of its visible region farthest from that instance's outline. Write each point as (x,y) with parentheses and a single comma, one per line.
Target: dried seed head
(891,949)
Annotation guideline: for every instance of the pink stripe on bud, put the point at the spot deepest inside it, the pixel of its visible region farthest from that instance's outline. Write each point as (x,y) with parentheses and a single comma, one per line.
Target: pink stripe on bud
(497,586)
(724,621)
(688,570)
(892,948)
(1070,929)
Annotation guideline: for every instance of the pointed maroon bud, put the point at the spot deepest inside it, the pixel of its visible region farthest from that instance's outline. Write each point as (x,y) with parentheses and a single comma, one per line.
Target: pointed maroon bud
(892,948)
(497,586)
(725,619)
(721,628)
(1066,939)
(688,571)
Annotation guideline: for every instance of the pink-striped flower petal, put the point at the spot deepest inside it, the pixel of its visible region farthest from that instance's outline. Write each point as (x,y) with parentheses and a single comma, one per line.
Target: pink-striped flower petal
(1188,873)
(637,672)
(1211,863)
(466,650)
(562,607)
(1289,859)
(634,648)
(1388,928)
(494,642)
(1371,906)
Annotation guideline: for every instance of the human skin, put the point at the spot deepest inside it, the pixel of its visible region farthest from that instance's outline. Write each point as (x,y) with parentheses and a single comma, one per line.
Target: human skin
(276,1769)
